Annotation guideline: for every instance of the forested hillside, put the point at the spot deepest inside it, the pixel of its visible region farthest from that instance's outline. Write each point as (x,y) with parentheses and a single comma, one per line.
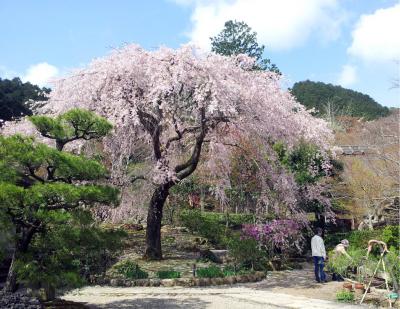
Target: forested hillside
(328,99)
(13,97)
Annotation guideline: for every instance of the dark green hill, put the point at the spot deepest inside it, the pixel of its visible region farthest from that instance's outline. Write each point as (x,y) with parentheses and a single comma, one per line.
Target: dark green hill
(342,101)
(13,97)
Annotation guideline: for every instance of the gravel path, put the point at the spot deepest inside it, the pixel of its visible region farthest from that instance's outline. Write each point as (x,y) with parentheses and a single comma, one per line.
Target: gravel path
(193,298)
(285,289)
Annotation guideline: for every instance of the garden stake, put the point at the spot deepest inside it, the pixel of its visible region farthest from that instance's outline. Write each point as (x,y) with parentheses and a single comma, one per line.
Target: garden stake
(369,283)
(386,282)
(383,251)
(194,270)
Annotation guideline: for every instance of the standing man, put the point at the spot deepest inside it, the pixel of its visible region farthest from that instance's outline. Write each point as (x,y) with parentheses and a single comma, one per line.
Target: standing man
(319,255)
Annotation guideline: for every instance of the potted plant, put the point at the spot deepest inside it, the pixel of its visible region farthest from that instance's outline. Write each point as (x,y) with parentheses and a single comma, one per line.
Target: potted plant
(359,288)
(348,286)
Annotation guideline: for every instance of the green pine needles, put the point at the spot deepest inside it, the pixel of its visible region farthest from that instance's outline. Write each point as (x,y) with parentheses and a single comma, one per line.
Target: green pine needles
(43,188)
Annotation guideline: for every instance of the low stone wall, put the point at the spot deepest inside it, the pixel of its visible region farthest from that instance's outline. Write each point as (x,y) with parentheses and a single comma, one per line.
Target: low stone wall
(187,282)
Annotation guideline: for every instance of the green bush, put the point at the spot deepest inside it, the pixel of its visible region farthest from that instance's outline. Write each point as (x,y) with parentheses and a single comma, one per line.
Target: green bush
(69,252)
(359,239)
(212,225)
(391,236)
(205,226)
(246,253)
(228,272)
(130,270)
(341,264)
(231,270)
(393,266)
(168,274)
(210,272)
(345,296)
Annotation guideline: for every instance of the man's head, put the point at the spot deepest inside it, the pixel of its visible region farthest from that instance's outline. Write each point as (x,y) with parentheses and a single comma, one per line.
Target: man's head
(319,231)
(345,242)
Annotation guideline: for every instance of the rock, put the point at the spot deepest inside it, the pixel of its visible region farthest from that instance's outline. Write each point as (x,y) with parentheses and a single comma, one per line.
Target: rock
(245,278)
(260,275)
(183,281)
(202,281)
(205,282)
(219,281)
(181,229)
(252,277)
(167,229)
(230,280)
(132,227)
(213,281)
(222,255)
(201,241)
(115,282)
(196,281)
(167,282)
(240,279)
(142,282)
(188,246)
(155,282)
(210,256)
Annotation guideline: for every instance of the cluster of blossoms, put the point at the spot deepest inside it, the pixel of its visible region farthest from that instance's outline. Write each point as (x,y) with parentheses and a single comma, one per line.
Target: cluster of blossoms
(180,104)
(277,234)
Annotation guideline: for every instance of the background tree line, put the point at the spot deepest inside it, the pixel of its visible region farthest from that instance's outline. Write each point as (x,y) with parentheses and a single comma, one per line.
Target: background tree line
(15,98)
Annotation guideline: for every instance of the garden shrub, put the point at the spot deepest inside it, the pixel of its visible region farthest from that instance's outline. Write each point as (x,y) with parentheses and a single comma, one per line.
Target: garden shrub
(213,226)
(168,274)
(67,255)
(345,296)
(393,266)
(246,253)
(210,272)
(359,239)
(129,269)
(205,226)
(391,236)
(232,270)
(342,265)
(229,270)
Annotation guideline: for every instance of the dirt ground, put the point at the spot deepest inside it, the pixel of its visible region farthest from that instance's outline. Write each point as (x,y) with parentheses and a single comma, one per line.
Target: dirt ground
(298,282)
(285,289)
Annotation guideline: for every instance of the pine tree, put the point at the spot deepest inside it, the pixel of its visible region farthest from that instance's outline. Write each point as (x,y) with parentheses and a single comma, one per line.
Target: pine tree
(38,183)
(238,38)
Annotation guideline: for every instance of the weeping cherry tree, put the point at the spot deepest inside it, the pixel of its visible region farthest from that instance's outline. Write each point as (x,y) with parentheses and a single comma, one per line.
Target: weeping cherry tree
(182,104)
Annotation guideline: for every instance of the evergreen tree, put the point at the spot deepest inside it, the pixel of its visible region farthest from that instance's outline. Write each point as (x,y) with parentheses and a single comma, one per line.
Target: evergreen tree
(238,38)
(15,96)
(39,184)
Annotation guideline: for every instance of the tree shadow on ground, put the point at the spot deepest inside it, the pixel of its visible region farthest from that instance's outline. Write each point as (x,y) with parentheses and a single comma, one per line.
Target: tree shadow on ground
(301,279)
(156,303)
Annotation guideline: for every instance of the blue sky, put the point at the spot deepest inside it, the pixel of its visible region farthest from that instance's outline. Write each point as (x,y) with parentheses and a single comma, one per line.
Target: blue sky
(354,43)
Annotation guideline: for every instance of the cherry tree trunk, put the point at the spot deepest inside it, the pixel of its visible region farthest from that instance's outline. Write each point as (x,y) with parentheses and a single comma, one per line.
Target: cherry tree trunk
(154,217)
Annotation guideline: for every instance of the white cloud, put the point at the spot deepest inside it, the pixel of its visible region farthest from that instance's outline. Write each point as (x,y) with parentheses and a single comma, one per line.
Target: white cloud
(6,73)
(40,74)
(348,76)
(280,25)
(376,36)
